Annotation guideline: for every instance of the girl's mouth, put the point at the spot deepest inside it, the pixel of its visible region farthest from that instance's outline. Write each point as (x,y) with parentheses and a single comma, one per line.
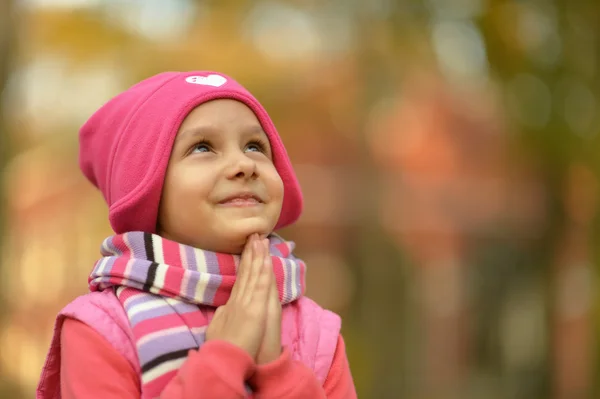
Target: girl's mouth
(241,200)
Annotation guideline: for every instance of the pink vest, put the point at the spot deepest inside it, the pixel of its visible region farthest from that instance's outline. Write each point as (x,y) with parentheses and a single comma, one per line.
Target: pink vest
(310,332)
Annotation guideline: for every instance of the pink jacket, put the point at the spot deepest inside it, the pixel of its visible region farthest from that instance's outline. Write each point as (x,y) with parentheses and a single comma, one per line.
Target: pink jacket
(309,332)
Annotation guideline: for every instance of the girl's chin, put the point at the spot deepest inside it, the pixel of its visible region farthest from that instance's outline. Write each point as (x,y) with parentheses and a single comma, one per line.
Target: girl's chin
(238,236)
(226,236)
(244,228)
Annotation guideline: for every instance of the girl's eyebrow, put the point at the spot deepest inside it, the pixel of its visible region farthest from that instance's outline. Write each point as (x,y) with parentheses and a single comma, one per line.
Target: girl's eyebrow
(198,131)
(254,129)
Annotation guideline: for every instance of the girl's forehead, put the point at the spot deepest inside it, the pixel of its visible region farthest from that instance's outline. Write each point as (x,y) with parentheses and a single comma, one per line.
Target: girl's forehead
(222,108)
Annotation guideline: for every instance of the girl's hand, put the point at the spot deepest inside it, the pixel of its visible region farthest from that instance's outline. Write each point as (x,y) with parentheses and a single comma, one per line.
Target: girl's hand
(242,320)
(270,348)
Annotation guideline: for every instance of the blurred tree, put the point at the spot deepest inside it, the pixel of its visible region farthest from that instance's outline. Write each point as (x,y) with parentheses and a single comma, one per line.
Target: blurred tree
(542,58)
(8,388)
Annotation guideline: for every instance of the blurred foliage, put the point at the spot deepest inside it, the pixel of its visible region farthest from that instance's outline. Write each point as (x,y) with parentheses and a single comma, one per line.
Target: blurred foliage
(537,60)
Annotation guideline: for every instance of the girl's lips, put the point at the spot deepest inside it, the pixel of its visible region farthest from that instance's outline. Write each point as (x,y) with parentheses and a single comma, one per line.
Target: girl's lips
(245,198)
(240,202)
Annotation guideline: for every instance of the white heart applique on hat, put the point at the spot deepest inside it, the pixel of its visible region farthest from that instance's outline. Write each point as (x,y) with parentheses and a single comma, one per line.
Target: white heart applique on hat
(210,80)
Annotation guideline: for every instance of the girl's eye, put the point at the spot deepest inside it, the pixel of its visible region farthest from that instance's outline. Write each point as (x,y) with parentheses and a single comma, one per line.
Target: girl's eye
(201,147)
(256,146)
(253,146)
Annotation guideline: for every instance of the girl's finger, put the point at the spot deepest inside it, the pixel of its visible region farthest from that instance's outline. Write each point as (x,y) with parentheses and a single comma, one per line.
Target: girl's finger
(219,312)
(244,269)
(258,285)
(251,265)
(273,285)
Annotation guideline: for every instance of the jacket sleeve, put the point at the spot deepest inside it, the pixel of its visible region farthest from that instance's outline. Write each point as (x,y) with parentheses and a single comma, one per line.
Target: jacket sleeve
(91,368)
(289,379)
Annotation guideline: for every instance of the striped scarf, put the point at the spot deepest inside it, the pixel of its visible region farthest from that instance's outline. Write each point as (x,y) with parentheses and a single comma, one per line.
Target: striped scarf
(161,284)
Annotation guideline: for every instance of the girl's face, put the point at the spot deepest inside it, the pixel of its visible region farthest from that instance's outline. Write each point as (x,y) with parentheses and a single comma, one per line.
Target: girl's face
(221,185)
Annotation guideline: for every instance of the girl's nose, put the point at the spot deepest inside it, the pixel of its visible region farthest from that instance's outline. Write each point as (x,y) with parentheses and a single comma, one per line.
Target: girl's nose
(241,167)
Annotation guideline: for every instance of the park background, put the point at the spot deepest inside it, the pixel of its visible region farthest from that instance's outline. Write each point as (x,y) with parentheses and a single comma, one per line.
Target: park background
(448,151)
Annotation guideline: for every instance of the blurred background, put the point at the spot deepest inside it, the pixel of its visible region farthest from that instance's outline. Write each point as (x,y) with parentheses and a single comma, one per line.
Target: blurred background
(448,152)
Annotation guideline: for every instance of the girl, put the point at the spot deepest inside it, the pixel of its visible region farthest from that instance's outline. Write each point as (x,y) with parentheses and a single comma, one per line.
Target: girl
(195,296)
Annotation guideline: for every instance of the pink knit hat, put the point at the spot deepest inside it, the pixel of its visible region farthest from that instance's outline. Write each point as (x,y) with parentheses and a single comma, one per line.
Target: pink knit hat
(125,146)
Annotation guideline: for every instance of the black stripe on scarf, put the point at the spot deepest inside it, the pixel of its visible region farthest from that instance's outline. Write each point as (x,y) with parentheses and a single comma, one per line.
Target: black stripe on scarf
(153,266)
(149,247)
(150,277)
(164,358)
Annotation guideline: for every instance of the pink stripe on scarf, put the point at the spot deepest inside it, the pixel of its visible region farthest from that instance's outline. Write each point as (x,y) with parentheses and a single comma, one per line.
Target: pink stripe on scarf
(118,242)
(279,275)
(227,268)
(119,267)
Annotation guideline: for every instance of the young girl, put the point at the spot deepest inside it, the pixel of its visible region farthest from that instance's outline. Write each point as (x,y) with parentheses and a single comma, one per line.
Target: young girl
(195,296)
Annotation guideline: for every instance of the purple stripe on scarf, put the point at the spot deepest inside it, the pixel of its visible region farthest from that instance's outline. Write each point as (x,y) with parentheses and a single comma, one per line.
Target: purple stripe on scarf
(200,337)
(273,250)
(214,282)
(192,264)
(163,309)
(214,279)
(160,345)
(211,286)
(193,279)
(139,270)
(212,263)
(109,264)
(190,255)
(135,241)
